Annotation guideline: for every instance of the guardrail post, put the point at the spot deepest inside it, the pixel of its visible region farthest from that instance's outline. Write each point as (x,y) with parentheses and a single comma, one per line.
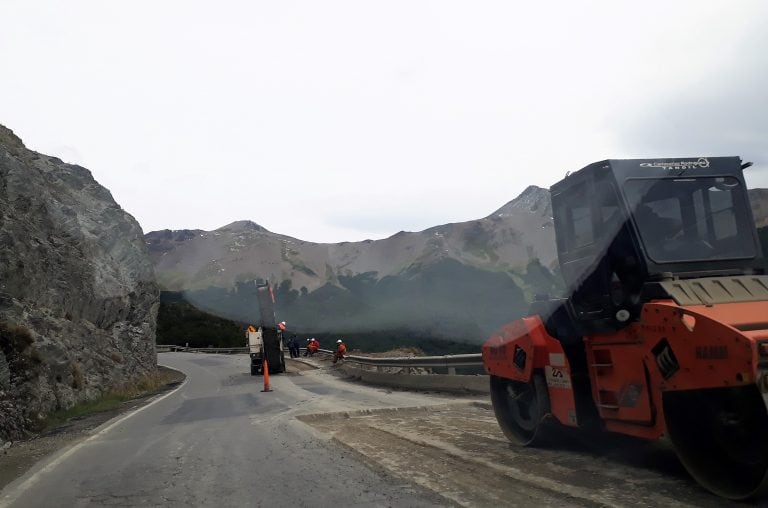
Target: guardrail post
(451,371)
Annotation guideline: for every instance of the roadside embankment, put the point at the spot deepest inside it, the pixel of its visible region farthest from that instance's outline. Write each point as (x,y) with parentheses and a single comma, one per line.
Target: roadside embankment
(65,428)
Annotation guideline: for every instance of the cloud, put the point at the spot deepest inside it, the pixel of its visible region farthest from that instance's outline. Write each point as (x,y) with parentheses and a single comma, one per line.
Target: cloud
(345,120)
(721,111)
(385,222)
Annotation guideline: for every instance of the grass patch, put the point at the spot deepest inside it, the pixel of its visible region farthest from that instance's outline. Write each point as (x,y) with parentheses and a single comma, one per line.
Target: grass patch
(142,387)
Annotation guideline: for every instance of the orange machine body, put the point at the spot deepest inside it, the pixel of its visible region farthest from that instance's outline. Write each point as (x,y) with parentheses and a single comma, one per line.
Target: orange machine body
(670,348)
(523,346)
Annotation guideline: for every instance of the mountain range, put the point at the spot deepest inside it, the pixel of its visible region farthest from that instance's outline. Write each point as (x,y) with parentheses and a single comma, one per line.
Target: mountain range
(458,281)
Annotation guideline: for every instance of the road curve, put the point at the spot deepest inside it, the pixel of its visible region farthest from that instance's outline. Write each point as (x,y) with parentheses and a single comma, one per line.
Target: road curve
(219,441)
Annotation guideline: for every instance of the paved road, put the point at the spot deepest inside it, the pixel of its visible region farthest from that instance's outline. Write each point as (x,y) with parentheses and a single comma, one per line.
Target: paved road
(219,441)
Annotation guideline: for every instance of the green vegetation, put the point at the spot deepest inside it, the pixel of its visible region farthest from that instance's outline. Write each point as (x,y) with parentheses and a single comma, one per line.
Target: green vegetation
(179,322)
(442,300)
(145,385)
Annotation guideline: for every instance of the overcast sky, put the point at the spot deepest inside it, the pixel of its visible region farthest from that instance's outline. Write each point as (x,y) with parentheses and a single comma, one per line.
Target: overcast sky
(331,121)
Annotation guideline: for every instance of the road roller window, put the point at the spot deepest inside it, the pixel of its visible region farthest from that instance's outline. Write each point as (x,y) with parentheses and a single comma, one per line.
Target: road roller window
(574,212)
(691,219)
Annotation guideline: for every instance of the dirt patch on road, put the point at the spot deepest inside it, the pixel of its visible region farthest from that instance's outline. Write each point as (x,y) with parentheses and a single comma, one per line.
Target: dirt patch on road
(294,365)
(22,455)
(459,452)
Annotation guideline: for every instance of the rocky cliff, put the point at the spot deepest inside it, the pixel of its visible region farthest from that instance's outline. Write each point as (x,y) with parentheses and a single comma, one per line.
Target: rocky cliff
(77,294)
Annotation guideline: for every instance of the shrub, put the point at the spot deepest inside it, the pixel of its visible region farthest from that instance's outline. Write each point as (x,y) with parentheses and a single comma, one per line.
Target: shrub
(14,339)
(78,380)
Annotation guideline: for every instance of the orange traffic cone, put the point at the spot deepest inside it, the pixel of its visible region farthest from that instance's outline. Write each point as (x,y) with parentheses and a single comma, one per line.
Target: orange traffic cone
(266,377)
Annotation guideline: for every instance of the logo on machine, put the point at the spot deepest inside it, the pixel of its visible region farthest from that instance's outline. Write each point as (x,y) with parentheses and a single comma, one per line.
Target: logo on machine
(557,378)
(665,359)
(716,352)
(701,162)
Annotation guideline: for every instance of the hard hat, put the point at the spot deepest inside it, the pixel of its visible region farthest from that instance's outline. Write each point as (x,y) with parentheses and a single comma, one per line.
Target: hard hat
(338,341)
(309,340)
(282,322)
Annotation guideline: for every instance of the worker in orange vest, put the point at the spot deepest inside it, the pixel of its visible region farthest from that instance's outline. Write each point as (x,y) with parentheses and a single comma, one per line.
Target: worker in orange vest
(341,350)
(312,347)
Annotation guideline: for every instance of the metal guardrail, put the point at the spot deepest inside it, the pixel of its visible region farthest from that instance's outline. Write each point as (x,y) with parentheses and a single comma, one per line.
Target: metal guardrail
(449,362)
(446,361)
(221,350)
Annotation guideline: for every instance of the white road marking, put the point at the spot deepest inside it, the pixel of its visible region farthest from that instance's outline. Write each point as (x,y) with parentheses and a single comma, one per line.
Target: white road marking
(15,489)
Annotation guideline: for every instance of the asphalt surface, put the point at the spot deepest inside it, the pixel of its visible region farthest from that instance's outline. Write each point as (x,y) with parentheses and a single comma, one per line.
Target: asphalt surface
(219,441)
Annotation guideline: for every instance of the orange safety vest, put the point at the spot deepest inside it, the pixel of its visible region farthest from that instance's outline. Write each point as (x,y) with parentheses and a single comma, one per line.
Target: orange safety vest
(342,349)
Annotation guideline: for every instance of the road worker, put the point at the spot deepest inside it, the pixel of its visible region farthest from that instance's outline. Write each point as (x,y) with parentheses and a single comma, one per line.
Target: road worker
(341,350)
(293,346)
(312,347)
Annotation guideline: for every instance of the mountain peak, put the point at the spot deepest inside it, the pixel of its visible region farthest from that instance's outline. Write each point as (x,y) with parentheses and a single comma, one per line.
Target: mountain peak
(10,140)
(533,199)
(242,226)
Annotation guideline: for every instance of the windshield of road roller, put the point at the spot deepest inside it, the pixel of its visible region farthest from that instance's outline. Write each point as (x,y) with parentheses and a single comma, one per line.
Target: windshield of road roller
(691,219)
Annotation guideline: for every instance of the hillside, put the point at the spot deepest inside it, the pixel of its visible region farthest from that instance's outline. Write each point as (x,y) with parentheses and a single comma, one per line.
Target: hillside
(243,250)
(77,293)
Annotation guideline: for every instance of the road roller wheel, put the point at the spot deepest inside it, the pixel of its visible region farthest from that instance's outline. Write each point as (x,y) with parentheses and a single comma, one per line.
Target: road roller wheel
(521,408)
(721,437)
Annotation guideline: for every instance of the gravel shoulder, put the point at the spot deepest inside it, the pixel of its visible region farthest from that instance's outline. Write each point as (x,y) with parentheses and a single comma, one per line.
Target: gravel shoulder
(20,456)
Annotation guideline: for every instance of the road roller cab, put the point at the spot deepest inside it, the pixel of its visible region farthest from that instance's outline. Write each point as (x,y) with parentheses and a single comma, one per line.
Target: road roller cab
(665,326)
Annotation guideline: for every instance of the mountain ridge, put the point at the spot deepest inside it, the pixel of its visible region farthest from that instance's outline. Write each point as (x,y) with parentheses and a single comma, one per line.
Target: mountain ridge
(455,280)
(193,259)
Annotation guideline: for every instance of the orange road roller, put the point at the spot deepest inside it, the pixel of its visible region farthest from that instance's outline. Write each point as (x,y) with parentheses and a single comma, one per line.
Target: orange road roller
(664,327)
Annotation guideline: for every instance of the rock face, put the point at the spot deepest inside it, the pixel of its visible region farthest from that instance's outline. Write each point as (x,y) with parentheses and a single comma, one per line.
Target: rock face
(78,299)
